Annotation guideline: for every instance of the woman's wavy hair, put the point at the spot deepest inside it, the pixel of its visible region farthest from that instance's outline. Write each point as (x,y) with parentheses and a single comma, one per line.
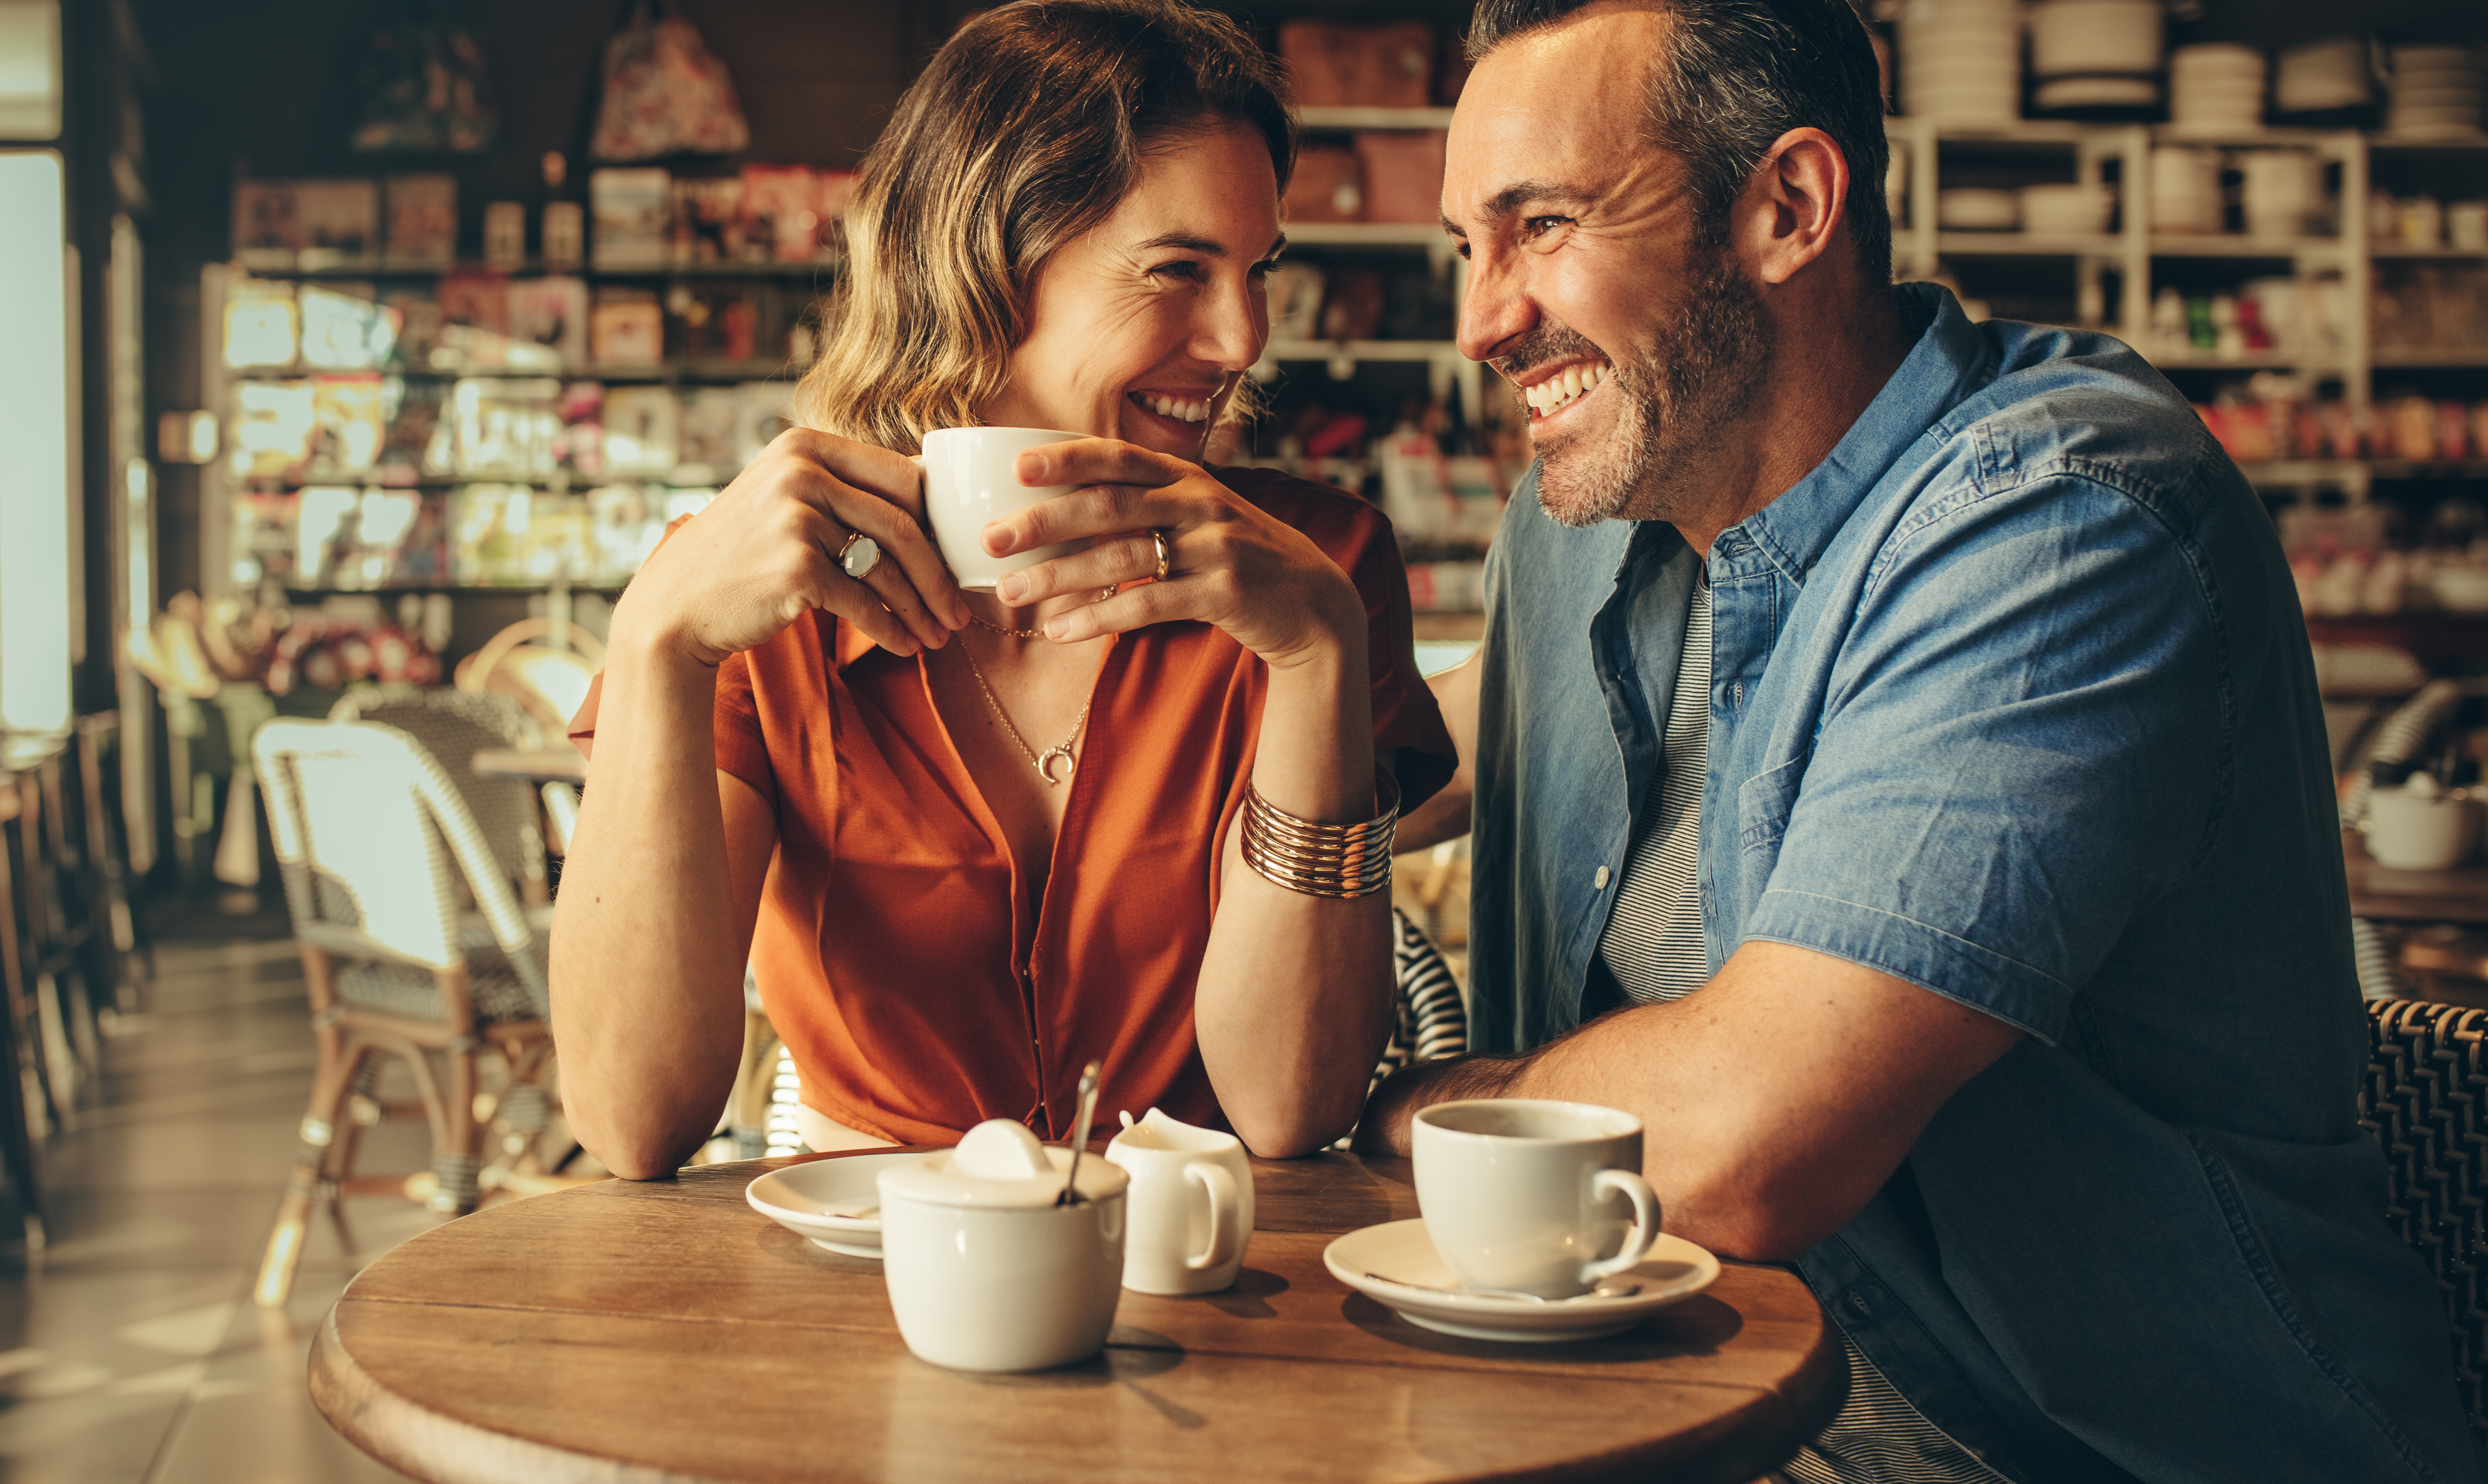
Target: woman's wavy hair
(1027,131)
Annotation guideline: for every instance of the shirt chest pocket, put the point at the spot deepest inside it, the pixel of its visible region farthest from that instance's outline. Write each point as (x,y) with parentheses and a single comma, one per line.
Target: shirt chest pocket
(1764,802)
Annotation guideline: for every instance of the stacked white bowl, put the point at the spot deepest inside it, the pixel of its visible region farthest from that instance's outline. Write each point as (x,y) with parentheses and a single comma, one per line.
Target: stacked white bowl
(2185,190)
(2324,76)
(1962,60)
(2436,93)
(2215,88)
(2095,54)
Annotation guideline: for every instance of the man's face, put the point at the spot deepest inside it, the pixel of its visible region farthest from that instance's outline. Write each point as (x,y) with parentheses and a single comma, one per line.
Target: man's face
(1628,325)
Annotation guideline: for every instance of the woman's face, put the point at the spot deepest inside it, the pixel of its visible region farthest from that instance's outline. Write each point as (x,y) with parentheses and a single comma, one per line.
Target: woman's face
(1141,328)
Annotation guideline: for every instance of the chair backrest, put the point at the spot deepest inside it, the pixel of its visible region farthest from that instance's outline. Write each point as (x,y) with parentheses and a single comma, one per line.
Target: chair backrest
(1433,1018)
(550,683)
(455,725)
(2426,1099)
(369,829)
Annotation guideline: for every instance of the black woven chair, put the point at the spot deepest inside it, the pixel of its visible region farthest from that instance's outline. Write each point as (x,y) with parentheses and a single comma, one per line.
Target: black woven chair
(2426,1099)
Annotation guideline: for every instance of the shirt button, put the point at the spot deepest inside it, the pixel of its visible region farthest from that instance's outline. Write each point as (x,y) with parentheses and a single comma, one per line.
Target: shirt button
(1603,877)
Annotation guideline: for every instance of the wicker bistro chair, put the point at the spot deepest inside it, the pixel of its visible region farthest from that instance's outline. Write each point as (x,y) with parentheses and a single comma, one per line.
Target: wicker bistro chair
(372,836)
(454,725)
(2426,1100)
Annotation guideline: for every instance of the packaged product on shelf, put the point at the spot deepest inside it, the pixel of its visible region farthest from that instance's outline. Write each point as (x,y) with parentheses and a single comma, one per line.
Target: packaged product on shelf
(837,188)
(474,322)
(338,221)
(582,428)
(1328,185)
(768,410)
(260,323)
(1446,587)
(377,539)
(263,536)
(643,432)
(505,535)
(347,427)
(1295,301)
(708,221)
(1352,308)
(1403,176)
(345,329)
(505,427)
(712,424)
(417,314)
(548,317)
(2429,306)
(265,232)
(271,433)
(716,322)
(624,522)
(630,209)
(506,234)
(1367,67)
(416,445)
(422,220)
(781,212)
(627,327)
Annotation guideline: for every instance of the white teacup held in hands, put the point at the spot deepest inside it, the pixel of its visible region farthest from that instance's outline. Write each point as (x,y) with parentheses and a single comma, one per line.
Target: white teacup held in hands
(1191,1205)
(986,1272)
(971,480)
(1526,1194)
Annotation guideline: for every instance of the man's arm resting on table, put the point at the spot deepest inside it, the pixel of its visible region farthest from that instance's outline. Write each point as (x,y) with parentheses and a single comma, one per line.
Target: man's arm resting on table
(1446,815)
(1775,1103)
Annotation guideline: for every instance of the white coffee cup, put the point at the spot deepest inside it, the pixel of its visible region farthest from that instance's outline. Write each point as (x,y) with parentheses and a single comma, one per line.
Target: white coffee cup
(970,480)
(1191,1206)
(2419,829)
(985,1272)
(1520,1193)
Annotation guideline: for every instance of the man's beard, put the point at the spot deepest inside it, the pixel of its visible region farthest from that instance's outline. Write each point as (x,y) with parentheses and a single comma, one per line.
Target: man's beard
(1693,377)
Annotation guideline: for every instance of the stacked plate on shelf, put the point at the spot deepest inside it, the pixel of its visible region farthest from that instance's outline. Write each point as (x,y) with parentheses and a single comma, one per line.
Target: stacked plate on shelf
(2436,93)
(2216,89)
(2322,76)
(2095,54)
(1961,60)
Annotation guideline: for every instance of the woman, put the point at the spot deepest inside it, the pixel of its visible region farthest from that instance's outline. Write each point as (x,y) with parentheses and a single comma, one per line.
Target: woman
(1068,225)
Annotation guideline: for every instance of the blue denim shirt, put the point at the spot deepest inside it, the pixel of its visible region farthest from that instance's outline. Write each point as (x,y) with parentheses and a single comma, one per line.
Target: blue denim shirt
(2011,698)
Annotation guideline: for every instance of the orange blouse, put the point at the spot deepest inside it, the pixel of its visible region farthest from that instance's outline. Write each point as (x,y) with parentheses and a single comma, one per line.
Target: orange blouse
(884,948)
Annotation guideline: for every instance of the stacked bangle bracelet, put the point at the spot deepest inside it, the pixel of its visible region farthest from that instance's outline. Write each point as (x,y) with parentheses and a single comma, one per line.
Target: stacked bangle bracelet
(1319,861)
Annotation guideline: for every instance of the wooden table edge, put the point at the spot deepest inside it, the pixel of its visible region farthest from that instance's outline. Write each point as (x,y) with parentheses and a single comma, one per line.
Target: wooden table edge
(423,1444)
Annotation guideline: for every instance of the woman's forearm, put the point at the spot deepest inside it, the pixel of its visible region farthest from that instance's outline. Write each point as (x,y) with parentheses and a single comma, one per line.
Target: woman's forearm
(650,934)
(1294,997)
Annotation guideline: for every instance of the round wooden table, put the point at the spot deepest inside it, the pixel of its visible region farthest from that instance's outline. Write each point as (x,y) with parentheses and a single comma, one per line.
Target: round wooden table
(667,1331)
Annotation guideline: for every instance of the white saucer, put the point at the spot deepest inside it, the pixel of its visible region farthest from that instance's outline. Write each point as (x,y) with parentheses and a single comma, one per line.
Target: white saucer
(799,1196)
(1676,1270)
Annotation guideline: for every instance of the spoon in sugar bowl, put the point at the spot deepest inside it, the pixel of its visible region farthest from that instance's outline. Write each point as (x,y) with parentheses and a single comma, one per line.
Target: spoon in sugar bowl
(1080,1131)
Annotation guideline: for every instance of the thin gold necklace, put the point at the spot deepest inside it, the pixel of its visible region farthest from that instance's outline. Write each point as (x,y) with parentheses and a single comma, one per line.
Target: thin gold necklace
(1060,752)
(1015,633)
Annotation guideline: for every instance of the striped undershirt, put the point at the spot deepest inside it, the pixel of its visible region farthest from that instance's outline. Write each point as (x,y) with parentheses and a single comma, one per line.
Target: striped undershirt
(1652,947)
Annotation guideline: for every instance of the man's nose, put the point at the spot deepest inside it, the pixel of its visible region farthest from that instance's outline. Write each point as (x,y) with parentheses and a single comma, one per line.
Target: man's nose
(1497,308)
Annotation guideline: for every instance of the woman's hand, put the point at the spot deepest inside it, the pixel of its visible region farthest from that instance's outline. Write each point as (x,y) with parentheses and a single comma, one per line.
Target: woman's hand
(1229,562)
(766,552)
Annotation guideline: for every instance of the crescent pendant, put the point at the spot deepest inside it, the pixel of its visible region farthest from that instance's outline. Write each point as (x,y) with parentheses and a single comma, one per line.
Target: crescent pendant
(1053,755)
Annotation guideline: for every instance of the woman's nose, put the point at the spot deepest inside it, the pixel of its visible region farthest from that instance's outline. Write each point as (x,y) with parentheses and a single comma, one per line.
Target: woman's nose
(1233,328)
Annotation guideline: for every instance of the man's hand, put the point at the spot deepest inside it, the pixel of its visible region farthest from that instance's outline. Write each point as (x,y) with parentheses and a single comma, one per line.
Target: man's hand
(1775,1101)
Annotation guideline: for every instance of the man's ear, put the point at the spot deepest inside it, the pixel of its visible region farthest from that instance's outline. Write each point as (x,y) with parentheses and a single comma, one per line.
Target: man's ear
(1797,200)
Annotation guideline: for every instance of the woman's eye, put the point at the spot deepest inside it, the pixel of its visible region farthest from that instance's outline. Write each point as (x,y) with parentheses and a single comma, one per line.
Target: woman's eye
(1186,269)
(1261,271)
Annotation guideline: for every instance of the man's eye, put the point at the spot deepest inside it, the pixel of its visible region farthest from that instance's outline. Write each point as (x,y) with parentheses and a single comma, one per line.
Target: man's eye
(1539,226)
(1462,248)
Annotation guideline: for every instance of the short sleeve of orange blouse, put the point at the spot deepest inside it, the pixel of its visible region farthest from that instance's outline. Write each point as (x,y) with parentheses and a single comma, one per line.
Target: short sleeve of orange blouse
(884,950)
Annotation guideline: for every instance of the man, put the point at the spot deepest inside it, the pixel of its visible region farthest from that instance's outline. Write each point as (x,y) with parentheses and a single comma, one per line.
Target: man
(1933,698)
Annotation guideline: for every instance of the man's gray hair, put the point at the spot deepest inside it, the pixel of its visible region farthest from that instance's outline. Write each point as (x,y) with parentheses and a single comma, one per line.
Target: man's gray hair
(1737,74)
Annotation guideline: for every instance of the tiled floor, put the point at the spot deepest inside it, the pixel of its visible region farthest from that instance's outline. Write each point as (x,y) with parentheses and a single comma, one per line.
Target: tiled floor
(130,1349)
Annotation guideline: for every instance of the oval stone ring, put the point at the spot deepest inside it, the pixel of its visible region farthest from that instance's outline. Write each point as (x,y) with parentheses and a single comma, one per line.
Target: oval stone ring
(858,555)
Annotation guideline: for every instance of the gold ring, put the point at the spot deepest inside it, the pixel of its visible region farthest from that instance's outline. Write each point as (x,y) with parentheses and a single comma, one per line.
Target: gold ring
(1109,591)
(1166,555)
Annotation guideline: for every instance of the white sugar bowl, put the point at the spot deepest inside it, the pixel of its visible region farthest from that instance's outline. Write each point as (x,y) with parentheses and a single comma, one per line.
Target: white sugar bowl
(985,1272)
